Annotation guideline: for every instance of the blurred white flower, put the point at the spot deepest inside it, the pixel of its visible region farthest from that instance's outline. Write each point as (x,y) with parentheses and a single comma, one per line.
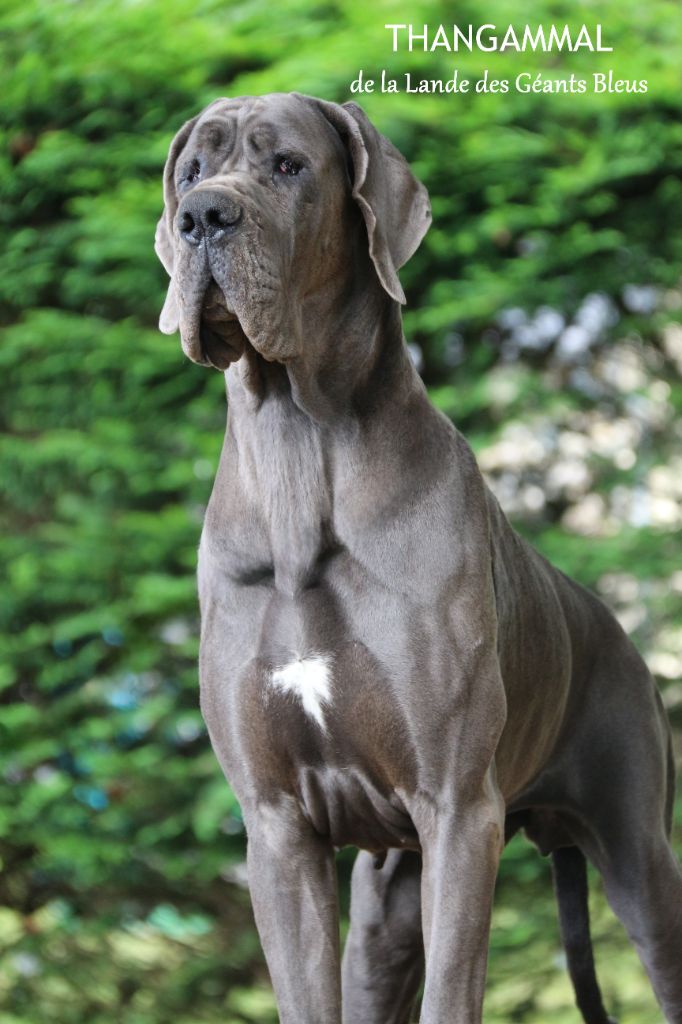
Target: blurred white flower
(672,343)
(589,517)
(568,478)
(641,298)
(574,342)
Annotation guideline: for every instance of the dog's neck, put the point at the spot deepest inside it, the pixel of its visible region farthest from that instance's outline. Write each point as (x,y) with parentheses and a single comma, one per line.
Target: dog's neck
(289,422)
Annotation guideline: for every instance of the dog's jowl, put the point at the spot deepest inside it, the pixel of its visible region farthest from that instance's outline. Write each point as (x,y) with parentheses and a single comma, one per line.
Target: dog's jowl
(384,662)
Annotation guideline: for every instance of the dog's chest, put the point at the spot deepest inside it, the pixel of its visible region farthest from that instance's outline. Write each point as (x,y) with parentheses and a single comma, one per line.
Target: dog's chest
(328,724)
(316,684)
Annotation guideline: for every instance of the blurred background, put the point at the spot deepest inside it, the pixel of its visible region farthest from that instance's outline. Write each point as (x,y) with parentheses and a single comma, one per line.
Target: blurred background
(545,315)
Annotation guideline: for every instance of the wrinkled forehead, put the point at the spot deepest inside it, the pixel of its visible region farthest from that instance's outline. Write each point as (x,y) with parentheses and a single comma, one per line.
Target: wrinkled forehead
(278,120)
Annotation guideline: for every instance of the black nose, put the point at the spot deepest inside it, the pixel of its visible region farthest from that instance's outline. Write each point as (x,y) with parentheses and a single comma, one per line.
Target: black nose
(207,214)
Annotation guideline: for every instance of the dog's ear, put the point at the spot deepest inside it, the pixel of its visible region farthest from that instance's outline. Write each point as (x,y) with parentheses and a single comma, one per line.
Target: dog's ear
(163,239)
(394,204)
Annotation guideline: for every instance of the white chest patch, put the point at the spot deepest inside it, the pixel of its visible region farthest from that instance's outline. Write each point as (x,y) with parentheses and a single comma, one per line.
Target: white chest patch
(309,679)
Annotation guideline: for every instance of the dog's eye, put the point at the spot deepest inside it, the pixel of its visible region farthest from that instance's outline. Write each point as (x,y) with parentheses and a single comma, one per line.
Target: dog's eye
(192,174)
(287,165)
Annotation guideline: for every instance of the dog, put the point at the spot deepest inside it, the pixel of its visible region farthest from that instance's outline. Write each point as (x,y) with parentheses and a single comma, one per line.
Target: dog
(384,662)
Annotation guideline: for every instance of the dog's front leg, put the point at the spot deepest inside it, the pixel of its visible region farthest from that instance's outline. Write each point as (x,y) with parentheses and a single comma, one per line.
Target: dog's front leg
(292,878)
(461,847)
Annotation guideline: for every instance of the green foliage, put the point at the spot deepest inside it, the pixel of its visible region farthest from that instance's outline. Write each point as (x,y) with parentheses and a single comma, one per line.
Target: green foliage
(121,846)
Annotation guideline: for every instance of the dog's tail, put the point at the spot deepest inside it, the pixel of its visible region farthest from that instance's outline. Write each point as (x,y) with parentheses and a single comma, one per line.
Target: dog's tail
(570,884)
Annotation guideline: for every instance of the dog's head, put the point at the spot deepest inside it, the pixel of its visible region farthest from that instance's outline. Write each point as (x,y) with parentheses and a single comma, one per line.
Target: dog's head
(265,198)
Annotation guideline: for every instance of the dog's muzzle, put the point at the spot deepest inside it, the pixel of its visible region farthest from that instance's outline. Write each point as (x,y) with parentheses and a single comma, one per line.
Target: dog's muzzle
(206,221)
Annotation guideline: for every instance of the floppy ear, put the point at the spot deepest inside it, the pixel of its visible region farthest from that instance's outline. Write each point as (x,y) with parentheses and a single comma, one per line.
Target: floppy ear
(394,204)
(163,239)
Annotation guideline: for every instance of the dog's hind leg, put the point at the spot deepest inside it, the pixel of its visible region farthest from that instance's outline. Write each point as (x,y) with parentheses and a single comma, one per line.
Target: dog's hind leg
(627,779)
(644,887)
(383,962)
(570,883)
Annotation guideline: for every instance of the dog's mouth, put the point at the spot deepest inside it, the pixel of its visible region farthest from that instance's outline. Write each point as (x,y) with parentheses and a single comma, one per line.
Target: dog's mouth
(210,331)
(220,333)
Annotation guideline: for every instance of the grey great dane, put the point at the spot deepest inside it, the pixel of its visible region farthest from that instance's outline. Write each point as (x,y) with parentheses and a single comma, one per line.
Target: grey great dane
(384,662)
